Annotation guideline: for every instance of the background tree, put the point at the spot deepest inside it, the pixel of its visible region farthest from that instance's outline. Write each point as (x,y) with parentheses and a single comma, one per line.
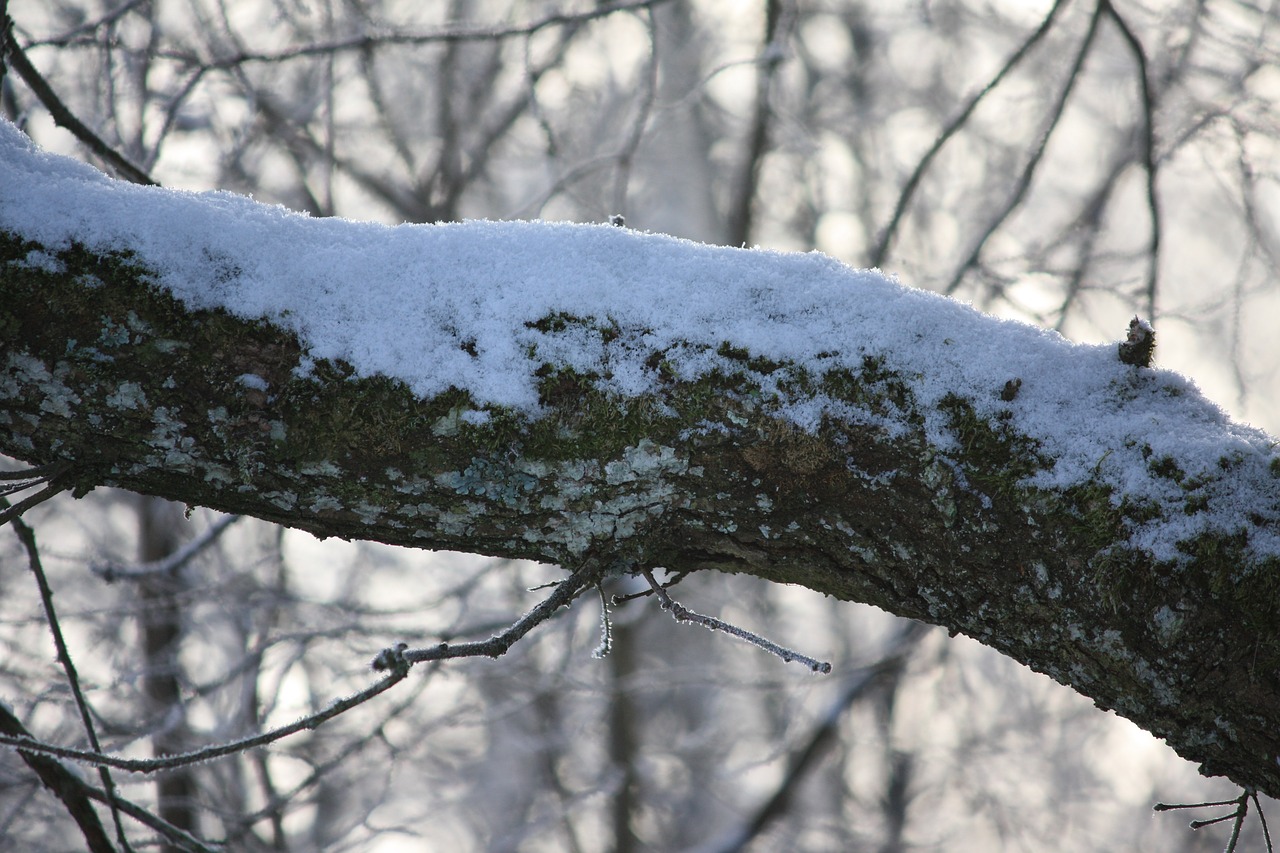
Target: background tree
(798,129)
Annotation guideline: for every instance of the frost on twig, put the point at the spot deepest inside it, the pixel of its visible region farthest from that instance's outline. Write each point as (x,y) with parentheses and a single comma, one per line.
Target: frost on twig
(606,629)
(684,614)
(498,645)
(1237,816)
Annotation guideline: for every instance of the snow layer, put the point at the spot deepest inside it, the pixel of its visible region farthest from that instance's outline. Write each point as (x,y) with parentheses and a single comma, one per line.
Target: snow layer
(448,305)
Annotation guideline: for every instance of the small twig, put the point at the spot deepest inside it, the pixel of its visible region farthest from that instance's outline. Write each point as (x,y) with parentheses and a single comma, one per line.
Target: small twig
(169,762)
(28,538)
(174,834)
(64,784)
(1238,815)
(1262,819)
(112,571)
(74,793)
(62,116)
(1023,183)
(908,191)
(450,34)
(1148,150)
(684,614)
(626,156)
(36,473)
(11,512)
(318,772)
(498,645)
(396,661)
(645,593)
(882,675)
(746,184)
(606,628)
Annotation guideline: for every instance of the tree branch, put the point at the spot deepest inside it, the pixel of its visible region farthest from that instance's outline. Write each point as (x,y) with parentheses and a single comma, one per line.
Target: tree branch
(881,250)
(171,762)
(1023,183)
(683,614)
(1148,148)
(28,538)
(950,509)
(63,117)
(450,34)
(65,785)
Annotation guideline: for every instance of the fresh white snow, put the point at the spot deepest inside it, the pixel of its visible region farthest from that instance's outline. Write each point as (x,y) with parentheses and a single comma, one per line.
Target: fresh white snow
(404,302)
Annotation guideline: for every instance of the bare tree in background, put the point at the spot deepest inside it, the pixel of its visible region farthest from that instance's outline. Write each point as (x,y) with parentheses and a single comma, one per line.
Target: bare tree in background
(1071,163)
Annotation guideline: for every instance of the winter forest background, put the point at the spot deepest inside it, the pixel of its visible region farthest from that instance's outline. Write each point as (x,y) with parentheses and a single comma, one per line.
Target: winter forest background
(1070,164)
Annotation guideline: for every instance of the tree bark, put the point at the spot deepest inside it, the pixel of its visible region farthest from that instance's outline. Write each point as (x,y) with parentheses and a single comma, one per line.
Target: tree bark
(105,371)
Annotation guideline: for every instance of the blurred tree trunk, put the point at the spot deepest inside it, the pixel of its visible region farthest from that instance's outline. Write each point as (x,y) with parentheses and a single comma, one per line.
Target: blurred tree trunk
(161,612)
(950,536)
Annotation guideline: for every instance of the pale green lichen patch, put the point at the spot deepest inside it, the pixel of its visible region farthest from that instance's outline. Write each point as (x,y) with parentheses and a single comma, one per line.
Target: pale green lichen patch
(22,371)
(1168,624)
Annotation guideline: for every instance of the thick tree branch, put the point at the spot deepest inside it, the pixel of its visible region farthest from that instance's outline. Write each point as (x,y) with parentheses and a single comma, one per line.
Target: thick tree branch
(104,370)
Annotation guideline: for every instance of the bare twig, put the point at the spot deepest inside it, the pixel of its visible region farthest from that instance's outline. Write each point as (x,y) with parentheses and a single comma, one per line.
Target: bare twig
(881,249)
(75,794)
(174,834)
(395,661)
(62,116)
(1029,170)
(455,33)
(496,646)
(277,800)
(37,473)
(113,571)
(28,538)
(740,216)
(66,786)
(1238,815)
(168,762)
(50,474)
(1148,148)
(887,669)
(626,156)
(684,614)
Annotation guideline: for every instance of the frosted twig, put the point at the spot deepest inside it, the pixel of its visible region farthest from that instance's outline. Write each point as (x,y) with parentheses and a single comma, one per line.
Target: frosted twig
(11,512)
(169,762)
(453,33)
(1237,816)
(645,593)
(498,645)
(111,571)
(28,537)
(606,628)
(684,614)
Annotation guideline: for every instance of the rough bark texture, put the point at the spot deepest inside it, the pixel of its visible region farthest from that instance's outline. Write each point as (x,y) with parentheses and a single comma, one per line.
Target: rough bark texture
(108,373)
